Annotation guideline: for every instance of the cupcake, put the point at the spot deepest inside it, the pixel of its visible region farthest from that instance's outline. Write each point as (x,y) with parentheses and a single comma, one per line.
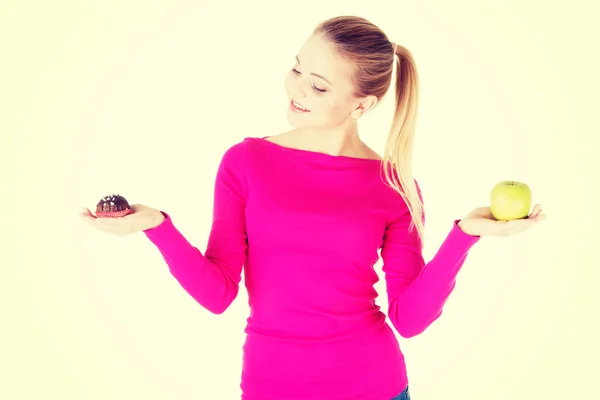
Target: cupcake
(113,206)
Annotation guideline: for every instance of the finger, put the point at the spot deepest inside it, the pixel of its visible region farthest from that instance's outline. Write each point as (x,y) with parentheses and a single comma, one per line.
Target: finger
(521,225)
(533,215)
(485,212)
(535,212)
(86,213)
(537,217)
(540,217)
(138,207)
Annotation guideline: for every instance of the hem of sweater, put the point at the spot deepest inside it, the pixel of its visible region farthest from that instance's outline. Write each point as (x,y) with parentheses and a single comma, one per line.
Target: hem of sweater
(165,229)
(454,250)
(319,397)
(461,237)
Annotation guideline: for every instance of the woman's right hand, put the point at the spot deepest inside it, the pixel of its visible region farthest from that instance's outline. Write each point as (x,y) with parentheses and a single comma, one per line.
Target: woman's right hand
(141,219)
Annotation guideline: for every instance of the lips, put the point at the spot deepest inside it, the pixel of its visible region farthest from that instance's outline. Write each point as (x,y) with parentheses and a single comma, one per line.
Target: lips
(297,106)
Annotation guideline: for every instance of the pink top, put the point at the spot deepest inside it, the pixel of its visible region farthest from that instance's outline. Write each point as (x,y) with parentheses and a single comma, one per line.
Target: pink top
(307,228)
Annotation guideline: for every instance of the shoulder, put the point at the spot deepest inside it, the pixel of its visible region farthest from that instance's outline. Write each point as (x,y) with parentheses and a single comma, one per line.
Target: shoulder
(396,201)
(249,150)
(238,148)
(235,154)
(253,142)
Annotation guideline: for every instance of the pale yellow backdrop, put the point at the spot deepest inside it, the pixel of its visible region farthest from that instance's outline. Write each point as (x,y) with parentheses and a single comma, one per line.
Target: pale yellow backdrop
(143,97)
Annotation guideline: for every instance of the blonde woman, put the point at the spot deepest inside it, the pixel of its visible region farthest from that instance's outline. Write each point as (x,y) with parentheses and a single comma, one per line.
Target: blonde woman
(304,213)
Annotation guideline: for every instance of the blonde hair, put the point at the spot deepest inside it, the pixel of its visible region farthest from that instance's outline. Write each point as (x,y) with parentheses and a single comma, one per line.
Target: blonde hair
(373,56)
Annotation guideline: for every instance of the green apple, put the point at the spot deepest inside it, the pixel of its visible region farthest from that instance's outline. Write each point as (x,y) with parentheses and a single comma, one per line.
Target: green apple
(510,200)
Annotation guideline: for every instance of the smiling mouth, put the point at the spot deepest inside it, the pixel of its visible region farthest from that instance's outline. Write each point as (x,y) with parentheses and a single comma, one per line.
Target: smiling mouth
(299,106)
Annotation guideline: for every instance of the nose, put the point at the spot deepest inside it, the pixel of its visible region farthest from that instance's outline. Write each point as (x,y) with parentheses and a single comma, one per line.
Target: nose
(298,89)
(299,94)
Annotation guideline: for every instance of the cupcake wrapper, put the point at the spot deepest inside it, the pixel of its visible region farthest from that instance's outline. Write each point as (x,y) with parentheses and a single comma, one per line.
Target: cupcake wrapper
(113,214)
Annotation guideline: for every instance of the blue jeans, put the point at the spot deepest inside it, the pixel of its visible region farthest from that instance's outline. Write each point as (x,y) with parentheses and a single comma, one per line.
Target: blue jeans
(403,396)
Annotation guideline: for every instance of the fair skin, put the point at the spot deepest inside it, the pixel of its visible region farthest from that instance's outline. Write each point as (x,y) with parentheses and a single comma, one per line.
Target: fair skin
(320,81)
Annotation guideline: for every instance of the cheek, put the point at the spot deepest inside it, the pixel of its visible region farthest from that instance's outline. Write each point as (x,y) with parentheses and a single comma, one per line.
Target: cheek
(287,83)
(333,108)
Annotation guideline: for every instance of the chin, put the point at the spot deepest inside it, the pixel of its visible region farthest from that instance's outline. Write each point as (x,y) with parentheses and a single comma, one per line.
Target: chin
(297,121)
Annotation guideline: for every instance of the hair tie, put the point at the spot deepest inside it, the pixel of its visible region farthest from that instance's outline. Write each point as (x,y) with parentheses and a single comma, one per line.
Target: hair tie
(395,46)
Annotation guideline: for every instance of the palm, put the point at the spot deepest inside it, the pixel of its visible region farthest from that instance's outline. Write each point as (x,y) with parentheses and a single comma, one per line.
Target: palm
(481,222)
(142,218)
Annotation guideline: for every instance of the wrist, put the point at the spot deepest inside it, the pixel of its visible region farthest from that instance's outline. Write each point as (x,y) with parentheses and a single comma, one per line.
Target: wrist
(157,219)
(465,229)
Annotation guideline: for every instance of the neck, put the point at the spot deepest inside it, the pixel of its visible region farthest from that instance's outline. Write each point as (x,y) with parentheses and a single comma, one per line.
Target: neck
(338,141)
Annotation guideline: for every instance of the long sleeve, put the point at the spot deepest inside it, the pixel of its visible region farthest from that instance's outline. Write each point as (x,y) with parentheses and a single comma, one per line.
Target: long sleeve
(417,291)
(212,278)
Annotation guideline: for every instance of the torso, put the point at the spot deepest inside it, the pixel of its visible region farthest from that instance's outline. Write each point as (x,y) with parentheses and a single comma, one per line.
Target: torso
(314,225)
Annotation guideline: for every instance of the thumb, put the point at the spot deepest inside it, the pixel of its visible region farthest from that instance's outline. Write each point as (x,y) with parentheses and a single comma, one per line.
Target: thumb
(139,207)
(86,213)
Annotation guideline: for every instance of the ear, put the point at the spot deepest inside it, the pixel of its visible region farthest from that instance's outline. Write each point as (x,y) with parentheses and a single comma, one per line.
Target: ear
(363,106)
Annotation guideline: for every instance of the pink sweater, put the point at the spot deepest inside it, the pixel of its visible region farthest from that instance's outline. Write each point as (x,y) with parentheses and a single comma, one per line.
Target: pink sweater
(306,227)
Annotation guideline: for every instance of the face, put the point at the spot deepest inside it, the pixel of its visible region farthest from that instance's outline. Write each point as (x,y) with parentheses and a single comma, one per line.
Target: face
(320,82)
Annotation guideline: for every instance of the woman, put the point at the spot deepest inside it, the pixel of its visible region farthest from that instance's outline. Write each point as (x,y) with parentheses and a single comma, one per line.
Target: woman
(305,213)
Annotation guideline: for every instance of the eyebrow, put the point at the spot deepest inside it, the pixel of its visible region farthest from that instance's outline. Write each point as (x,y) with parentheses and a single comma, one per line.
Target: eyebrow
(317,75)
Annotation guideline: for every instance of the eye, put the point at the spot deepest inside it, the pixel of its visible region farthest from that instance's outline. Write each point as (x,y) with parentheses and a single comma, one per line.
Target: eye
(317,89)
(313,85)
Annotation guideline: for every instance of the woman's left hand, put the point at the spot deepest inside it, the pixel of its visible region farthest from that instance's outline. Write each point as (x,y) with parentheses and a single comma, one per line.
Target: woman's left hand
(481,222)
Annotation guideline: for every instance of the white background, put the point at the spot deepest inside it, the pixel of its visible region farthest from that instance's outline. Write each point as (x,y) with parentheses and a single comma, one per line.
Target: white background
(142,98)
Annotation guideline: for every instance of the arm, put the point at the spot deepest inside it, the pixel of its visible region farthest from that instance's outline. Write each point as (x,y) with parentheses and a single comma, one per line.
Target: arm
(212,278)
(417,291)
